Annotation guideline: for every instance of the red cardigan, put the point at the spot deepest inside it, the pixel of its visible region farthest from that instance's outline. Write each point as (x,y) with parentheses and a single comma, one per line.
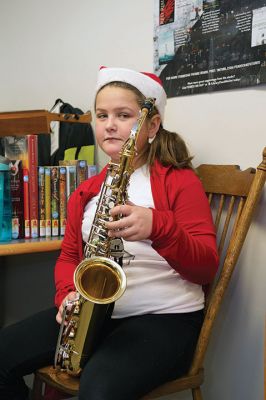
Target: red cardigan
(183,232)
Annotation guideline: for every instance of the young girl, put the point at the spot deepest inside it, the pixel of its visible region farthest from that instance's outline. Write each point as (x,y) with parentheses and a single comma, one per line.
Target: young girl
(170,253)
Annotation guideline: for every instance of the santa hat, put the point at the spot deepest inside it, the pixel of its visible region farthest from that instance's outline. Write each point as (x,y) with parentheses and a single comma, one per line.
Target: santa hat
(147,83)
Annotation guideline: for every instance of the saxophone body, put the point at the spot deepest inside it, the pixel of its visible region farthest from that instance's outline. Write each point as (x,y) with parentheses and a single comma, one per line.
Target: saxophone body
(99,279)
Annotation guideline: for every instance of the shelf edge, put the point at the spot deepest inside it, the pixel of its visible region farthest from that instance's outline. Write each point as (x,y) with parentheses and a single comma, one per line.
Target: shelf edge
(9,249)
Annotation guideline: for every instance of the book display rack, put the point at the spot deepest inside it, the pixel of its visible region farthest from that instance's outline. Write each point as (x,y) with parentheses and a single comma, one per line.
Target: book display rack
(33,122)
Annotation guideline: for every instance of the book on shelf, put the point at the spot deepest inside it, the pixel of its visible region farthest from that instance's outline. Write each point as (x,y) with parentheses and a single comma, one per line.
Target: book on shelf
(71,178)
(55,200)
(62,199)
(41,184)
(47,201)
(17,198)
(33,184)
(81,171)
(91,170)
(25,148)
(16,148)
(26,206)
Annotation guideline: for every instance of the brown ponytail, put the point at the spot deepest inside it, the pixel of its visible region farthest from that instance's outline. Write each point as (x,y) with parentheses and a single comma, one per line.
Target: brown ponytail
(169,149)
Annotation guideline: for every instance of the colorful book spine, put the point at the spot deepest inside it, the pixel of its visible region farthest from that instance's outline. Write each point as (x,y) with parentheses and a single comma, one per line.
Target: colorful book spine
(71,179)
(41,180)
(81,171)
(26,203)
(16,148)
(62,199)
(47,192)
(33,183)
(91,170)
(55,200)
(17,199)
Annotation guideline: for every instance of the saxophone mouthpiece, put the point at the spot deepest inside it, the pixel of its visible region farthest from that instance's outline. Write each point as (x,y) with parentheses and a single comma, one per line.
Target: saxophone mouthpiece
(149,104)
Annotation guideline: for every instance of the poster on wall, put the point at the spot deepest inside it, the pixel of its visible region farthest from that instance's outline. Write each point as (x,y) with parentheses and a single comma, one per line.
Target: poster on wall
(201,46)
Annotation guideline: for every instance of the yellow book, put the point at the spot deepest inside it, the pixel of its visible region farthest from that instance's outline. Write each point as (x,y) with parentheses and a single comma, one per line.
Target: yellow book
(47,206)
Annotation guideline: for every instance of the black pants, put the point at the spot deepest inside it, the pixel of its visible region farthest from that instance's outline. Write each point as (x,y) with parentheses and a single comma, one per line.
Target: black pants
(135,355)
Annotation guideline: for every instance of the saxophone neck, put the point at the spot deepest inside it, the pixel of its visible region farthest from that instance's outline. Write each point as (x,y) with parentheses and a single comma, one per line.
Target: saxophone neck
(130,145)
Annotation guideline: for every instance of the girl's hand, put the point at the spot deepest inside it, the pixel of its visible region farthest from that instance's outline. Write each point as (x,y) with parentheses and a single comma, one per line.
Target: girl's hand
(70,296)
(134,223)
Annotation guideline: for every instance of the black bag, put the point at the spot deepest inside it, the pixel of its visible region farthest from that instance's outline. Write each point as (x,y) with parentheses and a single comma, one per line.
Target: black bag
(2,147)
(76,140)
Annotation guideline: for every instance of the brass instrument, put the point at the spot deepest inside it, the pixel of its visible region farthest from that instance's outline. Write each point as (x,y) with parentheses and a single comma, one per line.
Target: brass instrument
(99,279)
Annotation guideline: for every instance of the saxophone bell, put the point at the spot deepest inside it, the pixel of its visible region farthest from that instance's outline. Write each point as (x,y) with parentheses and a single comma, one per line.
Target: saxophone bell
(100,280)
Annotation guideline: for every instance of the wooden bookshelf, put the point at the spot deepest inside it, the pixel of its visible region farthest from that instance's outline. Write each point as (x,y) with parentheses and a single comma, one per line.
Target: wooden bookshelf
(26,246)
(33,122)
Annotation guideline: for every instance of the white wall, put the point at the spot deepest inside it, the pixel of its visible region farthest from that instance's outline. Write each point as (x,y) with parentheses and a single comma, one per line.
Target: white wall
(53,49)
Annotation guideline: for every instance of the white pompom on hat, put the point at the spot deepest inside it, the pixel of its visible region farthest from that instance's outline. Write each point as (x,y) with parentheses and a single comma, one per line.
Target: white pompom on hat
(149,84)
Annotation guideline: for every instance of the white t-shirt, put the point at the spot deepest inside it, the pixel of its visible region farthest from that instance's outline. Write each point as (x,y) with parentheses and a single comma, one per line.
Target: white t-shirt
(153,286)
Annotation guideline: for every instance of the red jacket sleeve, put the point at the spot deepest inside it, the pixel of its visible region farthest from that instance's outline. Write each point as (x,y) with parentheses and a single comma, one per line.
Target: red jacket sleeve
(71,249)
(183,233)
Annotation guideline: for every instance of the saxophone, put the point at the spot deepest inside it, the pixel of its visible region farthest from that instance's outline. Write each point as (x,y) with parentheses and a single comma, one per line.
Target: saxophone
(99,279)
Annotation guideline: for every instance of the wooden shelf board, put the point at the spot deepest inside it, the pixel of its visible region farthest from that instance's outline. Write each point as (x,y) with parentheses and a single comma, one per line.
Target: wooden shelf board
(25,246)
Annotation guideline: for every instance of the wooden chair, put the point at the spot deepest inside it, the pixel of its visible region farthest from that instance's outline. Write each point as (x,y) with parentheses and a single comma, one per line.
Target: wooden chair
(233,195)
